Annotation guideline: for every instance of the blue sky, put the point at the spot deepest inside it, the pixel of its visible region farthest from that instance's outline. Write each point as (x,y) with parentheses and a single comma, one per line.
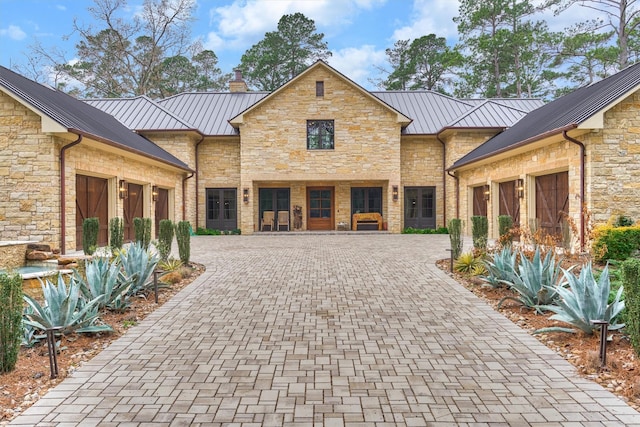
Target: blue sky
(357,31)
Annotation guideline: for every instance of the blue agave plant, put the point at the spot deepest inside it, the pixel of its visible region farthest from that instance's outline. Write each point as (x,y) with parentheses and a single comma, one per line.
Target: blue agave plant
(583,299)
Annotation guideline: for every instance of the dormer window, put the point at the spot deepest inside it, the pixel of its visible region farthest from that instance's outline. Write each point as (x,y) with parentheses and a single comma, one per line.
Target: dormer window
(319,89)
(320,134)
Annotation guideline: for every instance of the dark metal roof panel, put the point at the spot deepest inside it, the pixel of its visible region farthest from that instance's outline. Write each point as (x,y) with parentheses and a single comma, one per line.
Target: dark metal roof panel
(140,113)
(74,114)
(489,114)
(571,109)
(430,111)
(209,112)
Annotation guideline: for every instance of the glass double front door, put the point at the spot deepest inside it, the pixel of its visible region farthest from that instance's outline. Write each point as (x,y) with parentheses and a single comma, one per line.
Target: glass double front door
(222,212)
(419,207)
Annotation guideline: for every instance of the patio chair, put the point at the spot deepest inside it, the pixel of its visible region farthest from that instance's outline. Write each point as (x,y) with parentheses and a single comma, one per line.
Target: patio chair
(283,220)
(267,220)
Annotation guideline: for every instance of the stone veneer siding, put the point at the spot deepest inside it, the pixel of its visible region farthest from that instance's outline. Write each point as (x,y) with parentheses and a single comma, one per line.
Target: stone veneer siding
(274,146)
(421,163)
(29,171)
(614,163)
(219,167)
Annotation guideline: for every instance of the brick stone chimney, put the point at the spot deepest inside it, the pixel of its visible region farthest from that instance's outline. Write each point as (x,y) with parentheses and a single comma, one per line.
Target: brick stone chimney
(238,84)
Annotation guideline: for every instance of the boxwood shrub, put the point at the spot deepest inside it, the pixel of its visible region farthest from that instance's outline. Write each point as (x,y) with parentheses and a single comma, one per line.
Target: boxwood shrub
(615,243)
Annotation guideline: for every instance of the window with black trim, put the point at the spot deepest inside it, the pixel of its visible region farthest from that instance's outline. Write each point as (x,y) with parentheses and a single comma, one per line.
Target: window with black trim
(320,135)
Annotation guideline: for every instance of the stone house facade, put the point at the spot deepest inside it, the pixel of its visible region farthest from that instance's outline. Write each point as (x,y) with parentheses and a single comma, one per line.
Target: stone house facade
(319,153)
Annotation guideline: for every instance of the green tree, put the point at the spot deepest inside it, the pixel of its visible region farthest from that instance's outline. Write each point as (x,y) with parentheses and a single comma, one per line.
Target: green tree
(400,60)
(150,53)
(283,54)
(507,53)
(622,17)
(432,63)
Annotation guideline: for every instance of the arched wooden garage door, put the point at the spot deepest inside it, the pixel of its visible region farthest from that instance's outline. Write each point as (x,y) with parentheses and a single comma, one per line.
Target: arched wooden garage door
(92,197)
(552,201)
(509,201)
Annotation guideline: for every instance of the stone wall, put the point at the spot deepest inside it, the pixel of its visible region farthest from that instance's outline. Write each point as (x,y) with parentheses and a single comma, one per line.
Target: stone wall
(614,163)
(421,163)
(219,167)
(28,177)
(274,144)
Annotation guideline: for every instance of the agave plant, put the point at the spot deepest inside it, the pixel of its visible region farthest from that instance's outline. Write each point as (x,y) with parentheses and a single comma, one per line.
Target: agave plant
(106,282)
(501,267)
(584,301)
(138,265)
(535,281)
(64,308)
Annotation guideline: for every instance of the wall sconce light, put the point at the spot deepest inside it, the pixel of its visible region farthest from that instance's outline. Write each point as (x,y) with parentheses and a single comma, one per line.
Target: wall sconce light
(245,195)
(394,193)
(154,193)
(123,189)
(487,193)
(520,188)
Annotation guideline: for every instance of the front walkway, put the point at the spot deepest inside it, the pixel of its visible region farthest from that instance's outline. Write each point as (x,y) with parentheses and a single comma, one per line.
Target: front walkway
(326,330)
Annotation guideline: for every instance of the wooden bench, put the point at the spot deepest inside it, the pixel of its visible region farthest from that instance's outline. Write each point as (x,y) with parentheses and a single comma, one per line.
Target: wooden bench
(366,219)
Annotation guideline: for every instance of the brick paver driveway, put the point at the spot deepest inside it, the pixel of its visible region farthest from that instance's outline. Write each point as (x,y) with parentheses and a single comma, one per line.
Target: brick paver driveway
(326,330)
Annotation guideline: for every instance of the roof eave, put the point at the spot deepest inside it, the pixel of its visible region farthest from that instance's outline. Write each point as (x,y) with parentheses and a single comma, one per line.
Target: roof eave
(517,145)
(128,149)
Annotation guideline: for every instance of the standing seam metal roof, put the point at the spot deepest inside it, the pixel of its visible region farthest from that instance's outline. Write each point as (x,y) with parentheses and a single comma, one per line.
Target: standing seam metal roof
(140,113)
(79,116)
(571,109)
(210,111)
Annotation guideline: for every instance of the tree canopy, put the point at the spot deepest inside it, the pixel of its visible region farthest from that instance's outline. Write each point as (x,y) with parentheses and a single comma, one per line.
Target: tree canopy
(283,54)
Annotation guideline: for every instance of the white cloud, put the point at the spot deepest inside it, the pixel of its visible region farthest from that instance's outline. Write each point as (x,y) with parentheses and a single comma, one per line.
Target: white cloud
(13,32)
(430,17)
(61,7)
(358,63)
(244,22)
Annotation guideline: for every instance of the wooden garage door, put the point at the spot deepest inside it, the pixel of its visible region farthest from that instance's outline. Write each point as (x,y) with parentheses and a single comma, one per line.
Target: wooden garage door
(92,197)
(162,207)
(509,201)
(552,200)
(133,208)
(479,203)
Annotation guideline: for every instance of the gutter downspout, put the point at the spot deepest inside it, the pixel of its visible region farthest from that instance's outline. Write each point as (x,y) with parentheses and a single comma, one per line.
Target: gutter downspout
(63,199)
(184,197)
(197,180)
(582,185)
(444,178)
(457,193)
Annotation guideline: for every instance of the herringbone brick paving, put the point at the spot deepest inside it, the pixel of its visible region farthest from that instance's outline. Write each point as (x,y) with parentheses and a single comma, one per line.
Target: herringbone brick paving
(333,330)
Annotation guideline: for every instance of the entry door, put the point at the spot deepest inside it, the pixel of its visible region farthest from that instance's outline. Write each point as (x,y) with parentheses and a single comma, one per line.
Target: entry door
(133,208)
(222,210)
(275,200)
(552,200)
(509,201)
(92,202)
(420,207)
(162,207)
(320,208)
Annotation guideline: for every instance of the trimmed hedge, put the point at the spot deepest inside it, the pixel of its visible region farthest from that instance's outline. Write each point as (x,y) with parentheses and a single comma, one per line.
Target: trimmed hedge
(116,233)
(631,280)
(439,230)
(455,237)
(617,243)
(90,229)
